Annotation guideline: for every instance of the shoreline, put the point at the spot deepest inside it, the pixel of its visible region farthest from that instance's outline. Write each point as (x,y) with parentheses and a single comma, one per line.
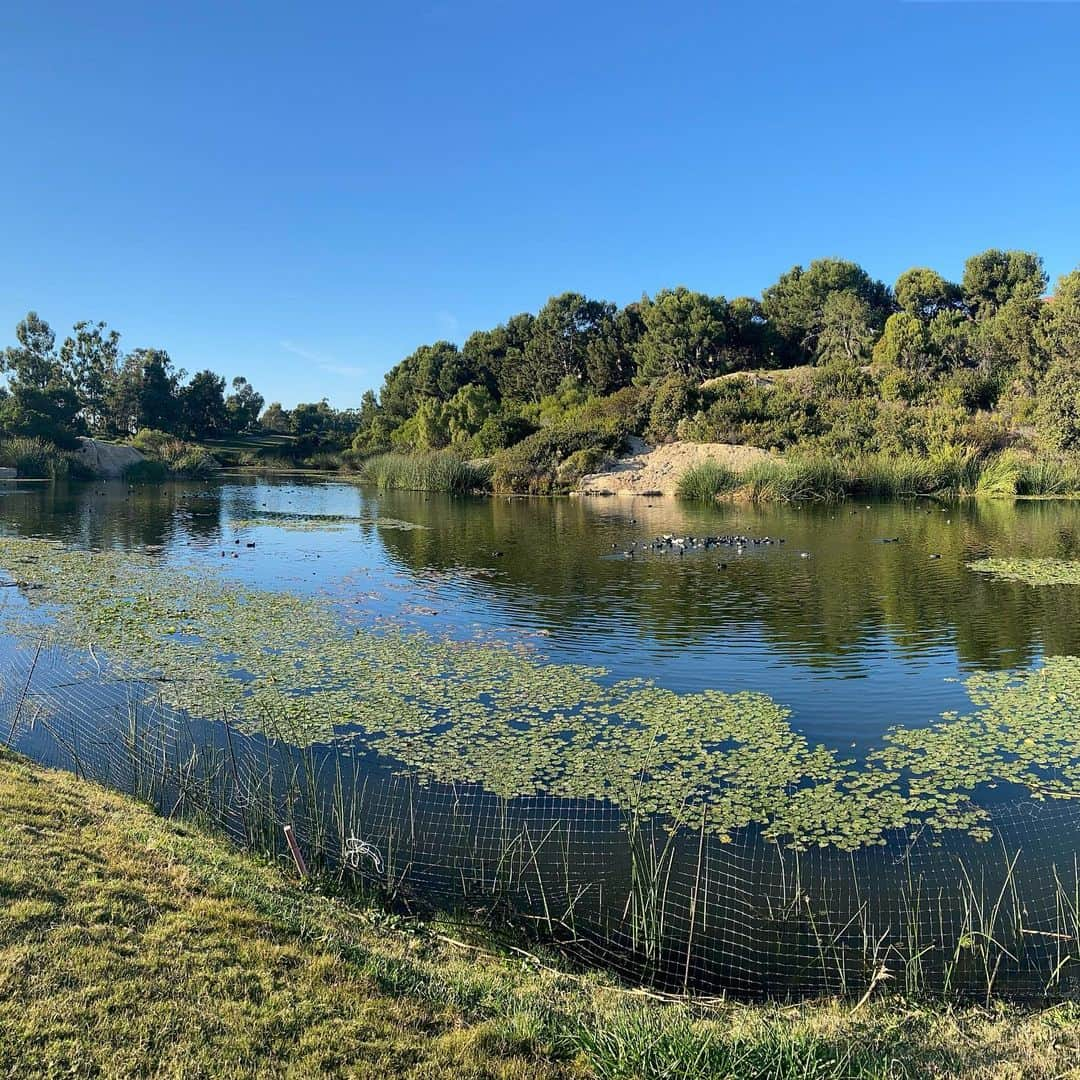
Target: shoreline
(133,945)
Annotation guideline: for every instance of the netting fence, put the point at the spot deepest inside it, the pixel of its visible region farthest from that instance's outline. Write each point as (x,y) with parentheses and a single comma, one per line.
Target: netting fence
(661,903)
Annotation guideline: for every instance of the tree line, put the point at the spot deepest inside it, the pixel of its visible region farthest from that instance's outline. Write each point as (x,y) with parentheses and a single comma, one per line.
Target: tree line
(86,385)
(996,322)
(993,337)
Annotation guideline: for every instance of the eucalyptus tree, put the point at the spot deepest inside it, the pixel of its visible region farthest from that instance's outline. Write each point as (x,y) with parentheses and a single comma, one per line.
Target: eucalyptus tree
(41,398)
(92,356)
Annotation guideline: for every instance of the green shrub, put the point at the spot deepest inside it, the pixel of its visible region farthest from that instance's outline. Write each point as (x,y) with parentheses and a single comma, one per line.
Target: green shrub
(673,399)
(498,432)
(149,441)
(742,411)
(166,455)
(1057,414)
(147,471)
(533,465)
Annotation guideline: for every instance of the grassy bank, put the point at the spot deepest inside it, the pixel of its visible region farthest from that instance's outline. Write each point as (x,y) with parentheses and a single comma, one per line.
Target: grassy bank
(134,946)
(958,473)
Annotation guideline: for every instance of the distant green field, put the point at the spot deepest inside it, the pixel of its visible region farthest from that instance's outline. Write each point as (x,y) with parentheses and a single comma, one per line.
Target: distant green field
(233,446)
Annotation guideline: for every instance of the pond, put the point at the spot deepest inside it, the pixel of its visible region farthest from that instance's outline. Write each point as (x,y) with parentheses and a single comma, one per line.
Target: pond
(769,750)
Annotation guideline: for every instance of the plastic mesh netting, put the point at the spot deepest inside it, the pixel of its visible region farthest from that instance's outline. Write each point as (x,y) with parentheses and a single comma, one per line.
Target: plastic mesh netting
(672,907)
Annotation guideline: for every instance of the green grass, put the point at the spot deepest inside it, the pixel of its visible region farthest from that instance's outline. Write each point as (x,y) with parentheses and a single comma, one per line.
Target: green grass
(250,443)
(132,946)
(438,471)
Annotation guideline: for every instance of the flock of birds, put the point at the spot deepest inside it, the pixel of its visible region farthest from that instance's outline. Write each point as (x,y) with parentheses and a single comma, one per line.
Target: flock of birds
(680,545)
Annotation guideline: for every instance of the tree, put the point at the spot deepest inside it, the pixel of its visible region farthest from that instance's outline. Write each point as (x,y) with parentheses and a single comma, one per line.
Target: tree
(1060,322)
(795,305)
(243,406)
(203,414)
(467,410)
(146,393)
(276,419)
(1012,339)
(684,334)
(41,399)
(375,426)
(558,347)
(609,356)
(924,293)
(431,423)
(1057,414)
(905,343)
(434,371)
(497,356)
(994,277)
(92,356)
(846,333)
(752,341)
(318,423)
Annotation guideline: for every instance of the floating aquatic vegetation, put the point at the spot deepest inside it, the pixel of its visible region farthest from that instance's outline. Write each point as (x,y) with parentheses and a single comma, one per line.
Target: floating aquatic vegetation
(1031,571)
(311,522)
(293,667)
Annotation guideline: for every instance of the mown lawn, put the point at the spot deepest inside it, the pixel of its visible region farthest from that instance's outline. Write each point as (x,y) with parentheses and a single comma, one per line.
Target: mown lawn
(134,946)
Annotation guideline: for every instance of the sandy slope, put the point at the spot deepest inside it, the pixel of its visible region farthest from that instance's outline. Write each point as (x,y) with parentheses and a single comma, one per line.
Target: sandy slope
(651,470)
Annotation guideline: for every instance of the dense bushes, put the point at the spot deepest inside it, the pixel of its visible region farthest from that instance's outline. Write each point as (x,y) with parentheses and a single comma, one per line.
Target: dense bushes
(1058,410)
(174,456)
(555,458)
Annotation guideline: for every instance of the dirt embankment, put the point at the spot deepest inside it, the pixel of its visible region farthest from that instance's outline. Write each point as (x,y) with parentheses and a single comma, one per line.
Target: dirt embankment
(649,470)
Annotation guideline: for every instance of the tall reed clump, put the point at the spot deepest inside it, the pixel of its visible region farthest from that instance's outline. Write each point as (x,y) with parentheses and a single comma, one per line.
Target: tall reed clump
(794,480)
(960,471)
(439,471)
(1045,476)
(34,458)
(706,481)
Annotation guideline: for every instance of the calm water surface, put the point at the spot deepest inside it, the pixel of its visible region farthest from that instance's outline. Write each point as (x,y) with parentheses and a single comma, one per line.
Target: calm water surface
(856,637)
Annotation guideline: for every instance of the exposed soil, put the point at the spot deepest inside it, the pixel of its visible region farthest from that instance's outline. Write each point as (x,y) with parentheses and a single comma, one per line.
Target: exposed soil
(656,470)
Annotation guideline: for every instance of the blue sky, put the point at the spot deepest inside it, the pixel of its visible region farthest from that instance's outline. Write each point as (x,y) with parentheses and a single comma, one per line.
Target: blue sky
(302,193)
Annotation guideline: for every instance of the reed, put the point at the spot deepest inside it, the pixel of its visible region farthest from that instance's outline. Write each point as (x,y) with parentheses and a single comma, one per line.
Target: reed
(441,471)
(956,472)
(34,458)
(706,481)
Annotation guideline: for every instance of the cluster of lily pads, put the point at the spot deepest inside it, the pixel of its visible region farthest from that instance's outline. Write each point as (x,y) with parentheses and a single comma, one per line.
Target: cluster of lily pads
(1033,571)
(299,669)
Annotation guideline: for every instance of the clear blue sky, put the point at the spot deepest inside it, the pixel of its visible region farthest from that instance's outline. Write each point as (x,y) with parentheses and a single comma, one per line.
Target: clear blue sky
(302,193)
